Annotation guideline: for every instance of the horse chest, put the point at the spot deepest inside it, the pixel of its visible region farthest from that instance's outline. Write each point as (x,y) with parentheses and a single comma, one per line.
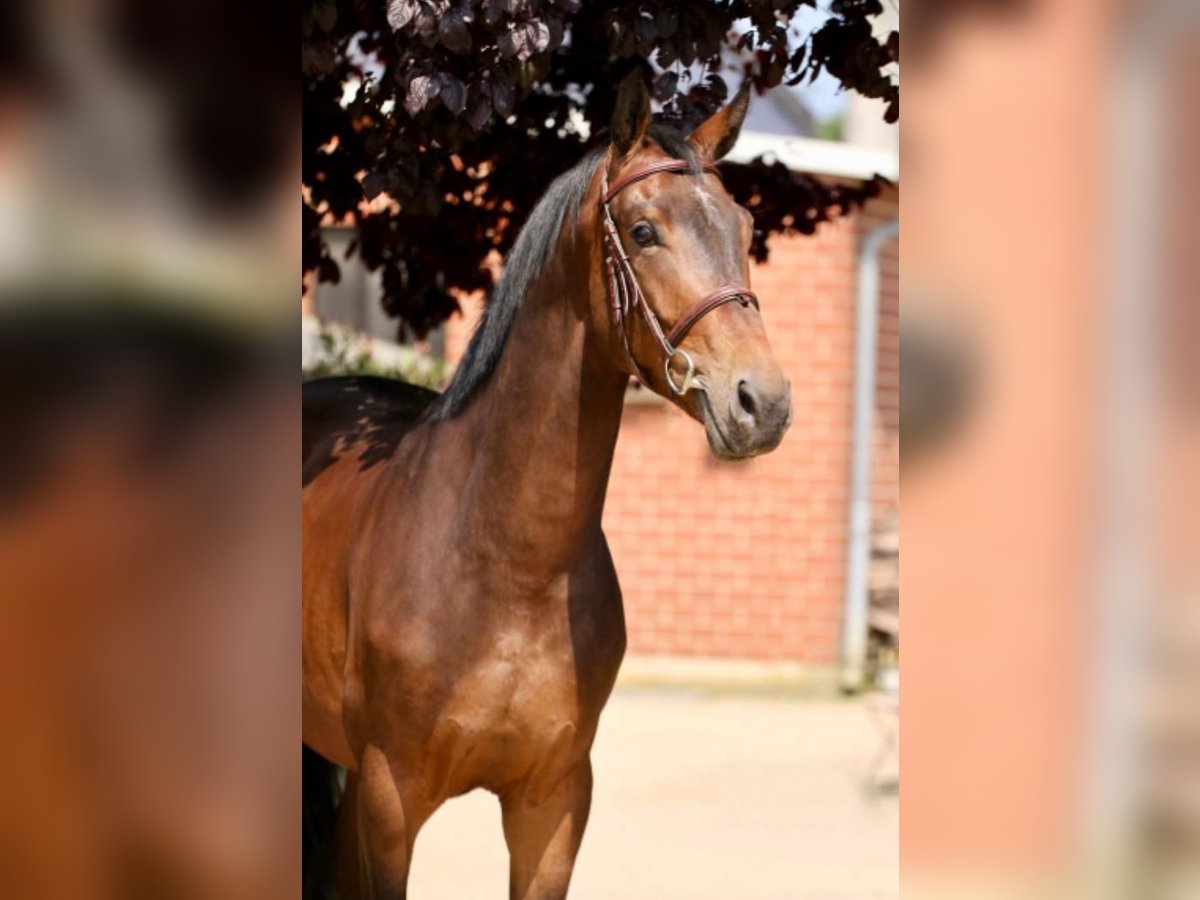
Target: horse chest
(514,717)
(516,695)
(523,686)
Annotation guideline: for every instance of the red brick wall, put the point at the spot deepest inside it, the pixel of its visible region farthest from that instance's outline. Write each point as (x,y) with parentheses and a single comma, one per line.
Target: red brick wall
(746,559)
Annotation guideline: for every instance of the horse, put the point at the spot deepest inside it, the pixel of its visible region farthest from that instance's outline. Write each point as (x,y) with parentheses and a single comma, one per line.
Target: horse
(462,619)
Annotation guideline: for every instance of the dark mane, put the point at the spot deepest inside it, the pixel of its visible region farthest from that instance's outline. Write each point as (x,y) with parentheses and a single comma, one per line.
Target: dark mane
(524,263)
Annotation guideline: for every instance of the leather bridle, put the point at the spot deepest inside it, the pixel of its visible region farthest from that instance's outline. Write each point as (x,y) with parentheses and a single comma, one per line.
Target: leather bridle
(625,293)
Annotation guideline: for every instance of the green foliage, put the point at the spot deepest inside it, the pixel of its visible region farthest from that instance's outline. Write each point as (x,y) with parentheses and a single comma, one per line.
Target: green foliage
(831,129)
(345,352)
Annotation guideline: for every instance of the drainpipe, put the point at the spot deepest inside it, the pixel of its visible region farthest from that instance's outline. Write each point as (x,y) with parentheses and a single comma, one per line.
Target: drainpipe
(858,551)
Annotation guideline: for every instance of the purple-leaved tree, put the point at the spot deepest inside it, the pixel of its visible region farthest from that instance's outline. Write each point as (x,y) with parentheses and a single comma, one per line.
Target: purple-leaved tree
(466,109)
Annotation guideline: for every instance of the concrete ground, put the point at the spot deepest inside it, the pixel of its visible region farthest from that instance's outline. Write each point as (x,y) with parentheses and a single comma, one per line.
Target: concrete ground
(701,795)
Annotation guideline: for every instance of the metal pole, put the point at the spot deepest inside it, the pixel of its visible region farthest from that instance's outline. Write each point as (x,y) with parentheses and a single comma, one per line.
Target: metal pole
(858,550)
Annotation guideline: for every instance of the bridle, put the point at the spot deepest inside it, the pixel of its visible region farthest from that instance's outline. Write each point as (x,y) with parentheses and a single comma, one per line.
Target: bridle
(625,292)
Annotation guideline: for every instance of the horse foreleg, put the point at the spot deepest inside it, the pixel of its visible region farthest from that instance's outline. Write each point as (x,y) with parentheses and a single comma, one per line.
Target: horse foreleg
(387,825)
(345,843)
(543,835)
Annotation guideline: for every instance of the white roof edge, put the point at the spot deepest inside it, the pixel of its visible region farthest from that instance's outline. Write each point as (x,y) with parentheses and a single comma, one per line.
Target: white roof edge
(817,157)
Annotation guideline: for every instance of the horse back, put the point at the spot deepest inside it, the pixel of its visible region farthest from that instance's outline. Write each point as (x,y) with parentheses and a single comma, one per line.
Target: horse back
(356,423)
(372,412)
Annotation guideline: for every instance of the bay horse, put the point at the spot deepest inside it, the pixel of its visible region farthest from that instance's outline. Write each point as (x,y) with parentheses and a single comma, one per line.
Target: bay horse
(463,623)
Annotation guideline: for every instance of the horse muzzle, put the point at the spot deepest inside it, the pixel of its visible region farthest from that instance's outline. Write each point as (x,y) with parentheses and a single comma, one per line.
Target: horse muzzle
(747,418)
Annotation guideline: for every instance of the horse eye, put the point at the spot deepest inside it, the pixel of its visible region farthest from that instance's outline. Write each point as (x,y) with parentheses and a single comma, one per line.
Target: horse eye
(644,234)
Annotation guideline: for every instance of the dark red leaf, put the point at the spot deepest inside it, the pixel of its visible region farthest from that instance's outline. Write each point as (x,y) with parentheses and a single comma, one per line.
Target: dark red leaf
(426,19)
(373,184)
(421,90)
(453,33)
(454,93)
(480,112)
(719,90)
(511,42)
(667,22)
(328,271)
(556,33)
(502,96)
(327,16)
(665,85)
(539,35)
(646,30)
(401,12)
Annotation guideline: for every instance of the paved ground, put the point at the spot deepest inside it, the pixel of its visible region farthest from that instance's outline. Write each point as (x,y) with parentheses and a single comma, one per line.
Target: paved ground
(703,796)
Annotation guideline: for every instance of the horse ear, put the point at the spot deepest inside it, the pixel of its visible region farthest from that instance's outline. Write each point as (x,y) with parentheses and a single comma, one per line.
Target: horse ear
(631,116)
(717,134)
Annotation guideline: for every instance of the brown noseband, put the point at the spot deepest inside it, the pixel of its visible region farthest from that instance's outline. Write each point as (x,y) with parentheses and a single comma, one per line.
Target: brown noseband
(625,292)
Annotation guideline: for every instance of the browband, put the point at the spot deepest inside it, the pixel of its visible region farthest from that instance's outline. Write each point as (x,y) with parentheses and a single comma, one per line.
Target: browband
(667,165)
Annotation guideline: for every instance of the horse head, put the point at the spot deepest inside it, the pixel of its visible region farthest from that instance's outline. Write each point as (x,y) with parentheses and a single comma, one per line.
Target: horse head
(680,314)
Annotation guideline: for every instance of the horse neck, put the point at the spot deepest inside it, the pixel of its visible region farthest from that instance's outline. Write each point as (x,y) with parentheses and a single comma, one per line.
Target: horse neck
(543,428)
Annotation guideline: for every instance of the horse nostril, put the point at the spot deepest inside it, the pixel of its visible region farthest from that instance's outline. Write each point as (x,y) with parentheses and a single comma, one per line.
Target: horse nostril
(746,399)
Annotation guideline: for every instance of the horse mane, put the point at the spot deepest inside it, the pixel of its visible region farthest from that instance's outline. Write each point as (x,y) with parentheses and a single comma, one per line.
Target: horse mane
(525,262)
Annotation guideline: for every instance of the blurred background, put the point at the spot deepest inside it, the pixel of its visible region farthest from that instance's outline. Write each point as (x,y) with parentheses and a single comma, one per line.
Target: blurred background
(148,524)
(1051,738)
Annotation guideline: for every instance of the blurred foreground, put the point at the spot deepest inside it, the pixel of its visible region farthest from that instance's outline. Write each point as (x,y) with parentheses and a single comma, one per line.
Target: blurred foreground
(1050,296)
(149,413)
(704,797)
